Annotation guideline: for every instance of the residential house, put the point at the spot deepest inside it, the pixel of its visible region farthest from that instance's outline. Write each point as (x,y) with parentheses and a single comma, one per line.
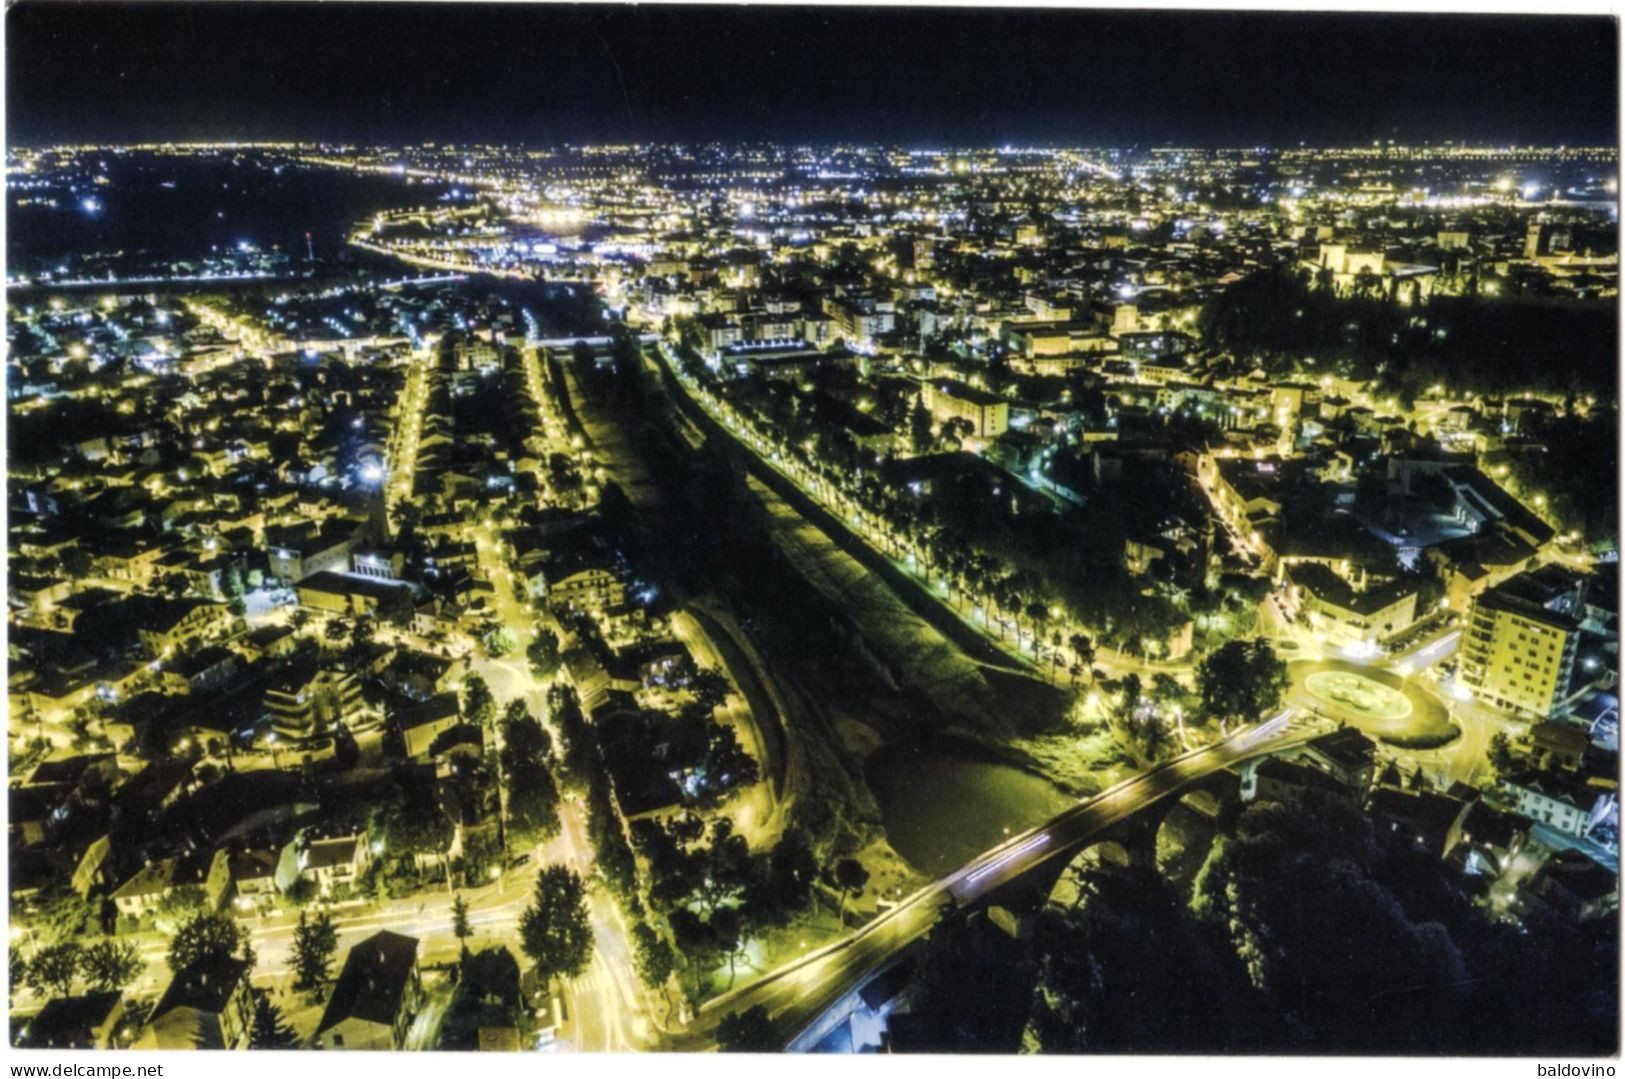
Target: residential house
(325,863)
(422,724)
(295,557)
(1563,803)
(146,889)
(375,997)
(207,1005)
(1423,820)
(170,624)
(1558,746)
(1572,884)
(83,1022)
(1347,756)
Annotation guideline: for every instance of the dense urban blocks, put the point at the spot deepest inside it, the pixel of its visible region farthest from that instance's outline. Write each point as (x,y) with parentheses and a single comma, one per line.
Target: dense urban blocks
(665,593)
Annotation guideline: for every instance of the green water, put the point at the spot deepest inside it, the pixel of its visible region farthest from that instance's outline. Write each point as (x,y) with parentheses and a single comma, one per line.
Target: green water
(942,804)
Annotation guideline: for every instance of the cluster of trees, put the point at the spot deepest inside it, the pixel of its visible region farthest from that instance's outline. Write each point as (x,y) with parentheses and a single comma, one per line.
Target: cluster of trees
(1283,315)
(1018,566)
(53,969)
(554,930)
(749,1031)
(407,822)
(583,769)
(1127,969)
(970,989)
(715,894)
(1574,472)
(1304,931)
(487,995)
(623,381)
(533,795)
(691,742)
(1140,719)
(1375,947)
(1240,681)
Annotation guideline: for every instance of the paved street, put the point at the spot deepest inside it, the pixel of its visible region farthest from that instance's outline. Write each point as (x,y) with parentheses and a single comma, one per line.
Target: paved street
(796,993)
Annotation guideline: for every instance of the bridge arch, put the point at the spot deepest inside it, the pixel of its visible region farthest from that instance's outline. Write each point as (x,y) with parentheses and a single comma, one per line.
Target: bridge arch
(1203,800)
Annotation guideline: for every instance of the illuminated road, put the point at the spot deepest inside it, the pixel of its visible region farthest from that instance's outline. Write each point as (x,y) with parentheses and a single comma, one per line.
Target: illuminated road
(798,992)
(494,911)
(606,1007)
(403,456)
(863,525)
(1463,760)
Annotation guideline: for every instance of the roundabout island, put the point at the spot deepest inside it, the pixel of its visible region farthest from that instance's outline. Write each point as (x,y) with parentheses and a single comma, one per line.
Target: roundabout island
(1384,705)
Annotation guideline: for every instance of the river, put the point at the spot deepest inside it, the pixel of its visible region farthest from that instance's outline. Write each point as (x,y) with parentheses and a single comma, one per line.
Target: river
(943,803)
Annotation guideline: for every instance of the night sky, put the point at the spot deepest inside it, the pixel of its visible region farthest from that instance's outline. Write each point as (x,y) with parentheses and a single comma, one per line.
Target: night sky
(917,77)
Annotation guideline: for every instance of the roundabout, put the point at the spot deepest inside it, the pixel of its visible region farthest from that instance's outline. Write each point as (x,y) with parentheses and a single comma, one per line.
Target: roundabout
(1358,694)
(1380,703)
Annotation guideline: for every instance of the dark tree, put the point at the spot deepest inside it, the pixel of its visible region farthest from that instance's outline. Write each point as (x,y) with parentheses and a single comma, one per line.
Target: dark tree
(63,914)
(964,958)
(726,765)
(314,943)
(524,740)
(554,929)
(791,869)
(109,964)
(710,688)
(919,427)
(269,1030)
(543,653)
(206,937)
(459,918)
(533,803)
(54,968)
(1241,681)
(492,975)
(851,878)
(750,1031)
(653,958)
(479,707)
(1499,753)
(1339,963)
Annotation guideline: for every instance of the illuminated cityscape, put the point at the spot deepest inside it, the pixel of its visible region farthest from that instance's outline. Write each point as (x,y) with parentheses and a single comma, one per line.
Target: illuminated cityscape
(656,591)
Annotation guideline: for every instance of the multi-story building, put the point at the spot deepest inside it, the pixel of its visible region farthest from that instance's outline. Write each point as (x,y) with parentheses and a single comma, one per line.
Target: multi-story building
(1565,803)
(1346,615)
(1517,653)
(329,548)
(376,995)
(860,319)
(988,414)
(208,1005)
(308,698)
(170,624)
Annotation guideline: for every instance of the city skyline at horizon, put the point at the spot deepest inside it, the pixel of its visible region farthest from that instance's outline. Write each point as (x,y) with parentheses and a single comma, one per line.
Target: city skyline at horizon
(1104,541)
